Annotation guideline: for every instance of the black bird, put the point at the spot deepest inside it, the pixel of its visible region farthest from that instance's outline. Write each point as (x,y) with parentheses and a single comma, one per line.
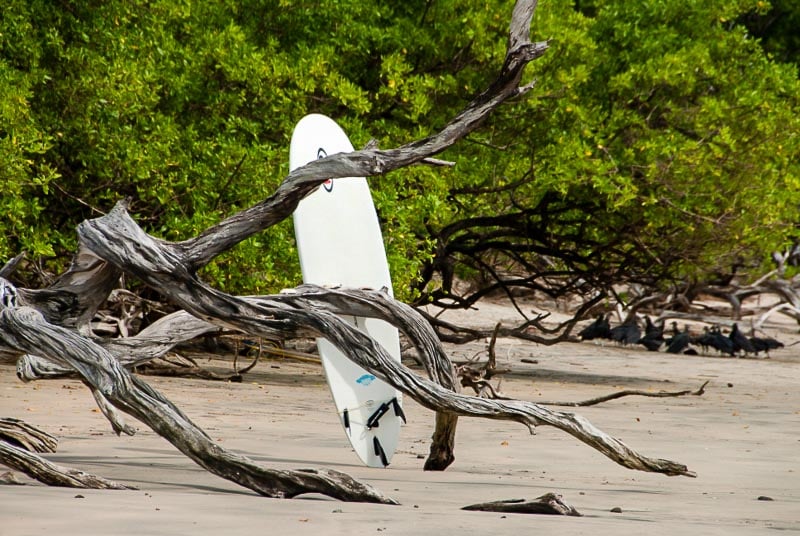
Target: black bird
(705,340)
(653,331)
(628,332)
(653,335)
(599,329)
(765,344)
(740,342)
(720,342)
(652,345)
(680,341)
(674,332)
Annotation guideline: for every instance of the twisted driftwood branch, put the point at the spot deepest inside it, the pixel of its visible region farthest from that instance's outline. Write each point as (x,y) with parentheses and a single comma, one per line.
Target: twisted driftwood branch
(114,244)
(152,342)
(26,329)
(118,239)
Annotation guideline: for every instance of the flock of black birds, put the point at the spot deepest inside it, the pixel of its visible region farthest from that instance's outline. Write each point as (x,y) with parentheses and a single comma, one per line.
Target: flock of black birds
(654,339)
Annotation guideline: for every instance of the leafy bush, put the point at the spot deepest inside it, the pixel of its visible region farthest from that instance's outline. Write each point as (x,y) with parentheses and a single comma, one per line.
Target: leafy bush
(660,133)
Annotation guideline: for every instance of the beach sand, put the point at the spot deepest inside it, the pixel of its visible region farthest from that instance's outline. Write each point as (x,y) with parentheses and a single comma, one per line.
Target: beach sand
(742,438)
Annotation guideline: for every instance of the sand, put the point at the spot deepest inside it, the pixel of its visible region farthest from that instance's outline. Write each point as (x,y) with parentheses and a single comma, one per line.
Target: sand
(742,438)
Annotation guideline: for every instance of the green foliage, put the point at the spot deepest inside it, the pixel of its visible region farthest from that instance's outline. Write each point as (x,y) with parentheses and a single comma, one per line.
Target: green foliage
(660,133)
(661,142)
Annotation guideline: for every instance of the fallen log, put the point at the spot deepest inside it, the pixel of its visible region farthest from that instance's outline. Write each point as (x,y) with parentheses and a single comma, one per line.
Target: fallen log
(549,504)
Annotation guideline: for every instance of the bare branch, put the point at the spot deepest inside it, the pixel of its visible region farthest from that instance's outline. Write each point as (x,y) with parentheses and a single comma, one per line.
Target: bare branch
(628,392)
(368,162)
(29,437)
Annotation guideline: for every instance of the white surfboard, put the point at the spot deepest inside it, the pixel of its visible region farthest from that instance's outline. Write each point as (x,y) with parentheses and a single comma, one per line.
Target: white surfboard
(340,244)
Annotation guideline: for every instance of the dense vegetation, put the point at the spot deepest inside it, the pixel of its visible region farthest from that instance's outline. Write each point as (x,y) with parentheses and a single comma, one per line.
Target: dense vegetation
(661,141)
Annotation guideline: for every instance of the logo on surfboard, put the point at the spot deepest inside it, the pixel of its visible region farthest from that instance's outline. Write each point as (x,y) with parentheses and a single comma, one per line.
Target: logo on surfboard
(328,184)
(366,379)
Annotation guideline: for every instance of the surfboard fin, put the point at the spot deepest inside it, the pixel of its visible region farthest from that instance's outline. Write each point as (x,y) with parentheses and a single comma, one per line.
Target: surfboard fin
(346,420)
(374,420)
(379,451)
(398,410)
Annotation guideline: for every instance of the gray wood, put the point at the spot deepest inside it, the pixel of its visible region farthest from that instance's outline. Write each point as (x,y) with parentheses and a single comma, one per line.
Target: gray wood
(549,504)
(26,328)
(53,323)
(292,315)
(49,473)
(26,436)
(152,342)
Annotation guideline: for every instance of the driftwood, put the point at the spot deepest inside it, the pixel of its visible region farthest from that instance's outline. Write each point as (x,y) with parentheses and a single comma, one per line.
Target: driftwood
(26,436)
(49,473)
(152,342)
(55,323)
(18,442)
(549,504)
(310,311)
(473,378)
(629,392)
(25,327)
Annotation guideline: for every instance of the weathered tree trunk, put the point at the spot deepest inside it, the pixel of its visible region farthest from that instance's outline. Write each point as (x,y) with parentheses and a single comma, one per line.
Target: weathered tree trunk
(57,327)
